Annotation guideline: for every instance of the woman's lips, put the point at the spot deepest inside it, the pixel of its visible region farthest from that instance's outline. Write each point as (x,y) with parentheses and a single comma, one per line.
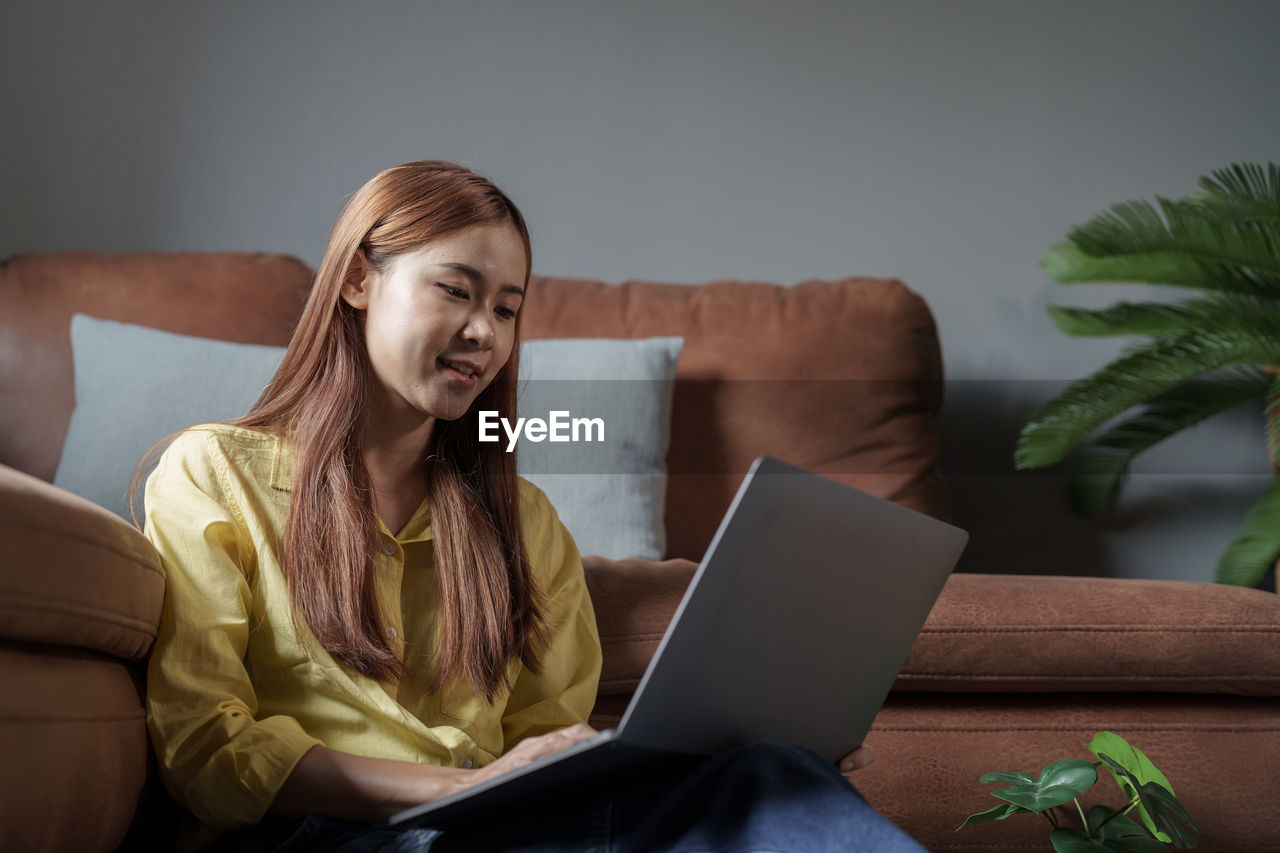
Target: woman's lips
(464,379)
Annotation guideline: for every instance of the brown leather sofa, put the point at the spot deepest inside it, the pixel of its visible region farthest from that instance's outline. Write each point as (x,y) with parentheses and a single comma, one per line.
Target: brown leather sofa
(1010,673)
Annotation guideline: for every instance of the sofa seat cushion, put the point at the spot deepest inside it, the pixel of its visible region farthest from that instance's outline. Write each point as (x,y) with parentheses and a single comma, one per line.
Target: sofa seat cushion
(1003,634)
(73,573)
(1022,633)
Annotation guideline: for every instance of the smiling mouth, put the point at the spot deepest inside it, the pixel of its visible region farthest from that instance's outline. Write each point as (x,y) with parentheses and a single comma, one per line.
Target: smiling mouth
(462,374)
(459,368)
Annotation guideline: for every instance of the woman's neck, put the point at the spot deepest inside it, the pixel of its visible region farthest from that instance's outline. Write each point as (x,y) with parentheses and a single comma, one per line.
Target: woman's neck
(393,456)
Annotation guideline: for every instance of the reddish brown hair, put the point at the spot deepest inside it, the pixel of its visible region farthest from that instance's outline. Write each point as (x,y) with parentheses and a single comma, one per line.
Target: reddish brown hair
(490,608)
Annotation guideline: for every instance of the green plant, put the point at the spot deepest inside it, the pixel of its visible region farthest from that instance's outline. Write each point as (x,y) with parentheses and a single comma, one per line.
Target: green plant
(1201,356)
(1164,820)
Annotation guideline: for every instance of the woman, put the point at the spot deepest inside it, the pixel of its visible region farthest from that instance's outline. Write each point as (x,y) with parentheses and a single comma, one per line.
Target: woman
(367,609)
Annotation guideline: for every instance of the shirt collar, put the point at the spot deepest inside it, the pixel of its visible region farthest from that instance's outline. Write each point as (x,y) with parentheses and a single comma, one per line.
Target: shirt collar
(281,464)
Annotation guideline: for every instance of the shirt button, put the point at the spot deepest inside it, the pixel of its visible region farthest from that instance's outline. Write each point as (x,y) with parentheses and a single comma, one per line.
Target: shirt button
(388,547)
(466,765)
(391,631)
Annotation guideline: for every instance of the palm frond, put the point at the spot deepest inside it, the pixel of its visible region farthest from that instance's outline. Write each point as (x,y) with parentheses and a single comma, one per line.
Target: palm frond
(1123,318)
(1187,228)
(1193,245)
(1066,263)
(1152,318)
(1143,372)
(1244,192)
(1273,418)
(1256,547)
(1099,468)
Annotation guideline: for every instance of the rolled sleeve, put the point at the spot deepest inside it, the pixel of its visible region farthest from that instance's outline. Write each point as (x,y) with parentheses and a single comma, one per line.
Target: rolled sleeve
(216,758)
(565,691)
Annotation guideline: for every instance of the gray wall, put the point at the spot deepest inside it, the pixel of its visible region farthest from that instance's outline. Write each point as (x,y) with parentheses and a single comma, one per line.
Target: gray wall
(944,143)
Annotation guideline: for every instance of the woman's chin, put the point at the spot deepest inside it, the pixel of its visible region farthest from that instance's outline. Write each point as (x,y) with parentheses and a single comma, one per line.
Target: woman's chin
(451,410)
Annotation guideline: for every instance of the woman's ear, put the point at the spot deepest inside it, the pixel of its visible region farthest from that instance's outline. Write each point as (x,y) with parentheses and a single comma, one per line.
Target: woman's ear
(355,284)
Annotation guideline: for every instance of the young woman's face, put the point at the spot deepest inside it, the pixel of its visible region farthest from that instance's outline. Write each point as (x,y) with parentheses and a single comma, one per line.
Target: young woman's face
(440,322)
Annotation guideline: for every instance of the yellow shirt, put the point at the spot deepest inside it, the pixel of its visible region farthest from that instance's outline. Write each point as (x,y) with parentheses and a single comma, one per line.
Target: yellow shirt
(234,699)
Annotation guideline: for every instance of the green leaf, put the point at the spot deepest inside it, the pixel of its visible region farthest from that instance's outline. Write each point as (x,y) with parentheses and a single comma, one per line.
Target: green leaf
(1128,758)
(1123,318)
(1129,766)
(1153,318)
(1257,545)
(1272,412)
(1067,263)
(1243,192)
(1225,239)
(1014,776)
(1170,817)
(1119,833)
(1071,840)
(1195,244)
(1099,467)
(1068,839)
(1059,783)
(1000,811)
(1146,371)
(1159,809)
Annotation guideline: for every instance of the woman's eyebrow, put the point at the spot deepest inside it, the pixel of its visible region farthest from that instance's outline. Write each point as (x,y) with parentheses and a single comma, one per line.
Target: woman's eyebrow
(478,277)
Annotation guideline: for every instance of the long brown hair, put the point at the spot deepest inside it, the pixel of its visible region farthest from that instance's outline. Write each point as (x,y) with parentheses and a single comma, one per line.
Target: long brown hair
(490,607)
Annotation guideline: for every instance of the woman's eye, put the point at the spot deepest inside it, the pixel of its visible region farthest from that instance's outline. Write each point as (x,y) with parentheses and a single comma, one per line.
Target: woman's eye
(456,292)
(506,313)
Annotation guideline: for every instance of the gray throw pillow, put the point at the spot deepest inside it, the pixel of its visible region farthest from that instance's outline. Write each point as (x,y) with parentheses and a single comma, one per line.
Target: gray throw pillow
(610,493)
(134,385)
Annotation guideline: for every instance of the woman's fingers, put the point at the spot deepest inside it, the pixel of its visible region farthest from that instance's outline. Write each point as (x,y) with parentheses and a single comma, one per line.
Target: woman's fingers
(533,748)
(858,759)
(578,732)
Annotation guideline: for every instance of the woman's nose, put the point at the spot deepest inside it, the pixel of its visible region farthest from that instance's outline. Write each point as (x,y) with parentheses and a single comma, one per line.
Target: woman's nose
(479,328)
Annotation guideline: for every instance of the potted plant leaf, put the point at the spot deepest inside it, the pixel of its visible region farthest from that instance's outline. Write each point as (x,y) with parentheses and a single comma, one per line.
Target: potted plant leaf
(1163,819)
(1194,359)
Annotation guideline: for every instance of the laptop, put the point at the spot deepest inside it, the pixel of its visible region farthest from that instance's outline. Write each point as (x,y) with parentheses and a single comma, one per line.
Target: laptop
(806,603)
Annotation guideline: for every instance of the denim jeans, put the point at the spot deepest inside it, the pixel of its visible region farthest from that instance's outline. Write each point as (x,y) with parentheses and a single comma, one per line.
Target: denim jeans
(759,797)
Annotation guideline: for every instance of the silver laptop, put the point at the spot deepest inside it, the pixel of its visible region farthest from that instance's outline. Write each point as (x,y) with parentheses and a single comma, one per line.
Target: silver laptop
(793,629)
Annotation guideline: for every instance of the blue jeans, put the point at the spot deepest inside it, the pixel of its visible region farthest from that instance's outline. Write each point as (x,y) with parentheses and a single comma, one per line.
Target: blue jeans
(759,797)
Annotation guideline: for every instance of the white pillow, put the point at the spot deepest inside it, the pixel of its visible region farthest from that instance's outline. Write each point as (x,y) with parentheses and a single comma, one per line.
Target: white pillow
(135,385)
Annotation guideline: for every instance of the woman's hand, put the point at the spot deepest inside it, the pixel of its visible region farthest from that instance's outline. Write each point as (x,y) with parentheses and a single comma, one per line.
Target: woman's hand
(856,760)
(353,787)
(530,750)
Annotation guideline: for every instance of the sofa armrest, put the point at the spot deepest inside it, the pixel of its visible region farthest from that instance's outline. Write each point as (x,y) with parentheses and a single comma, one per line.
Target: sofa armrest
(80,598)
(74,574)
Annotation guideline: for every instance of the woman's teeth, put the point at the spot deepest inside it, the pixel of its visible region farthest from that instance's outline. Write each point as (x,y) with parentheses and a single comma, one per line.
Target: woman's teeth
(461,368)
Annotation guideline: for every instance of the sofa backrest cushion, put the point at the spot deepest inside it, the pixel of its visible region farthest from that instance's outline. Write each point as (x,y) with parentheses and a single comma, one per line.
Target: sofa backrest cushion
(841,377)
(241,297)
